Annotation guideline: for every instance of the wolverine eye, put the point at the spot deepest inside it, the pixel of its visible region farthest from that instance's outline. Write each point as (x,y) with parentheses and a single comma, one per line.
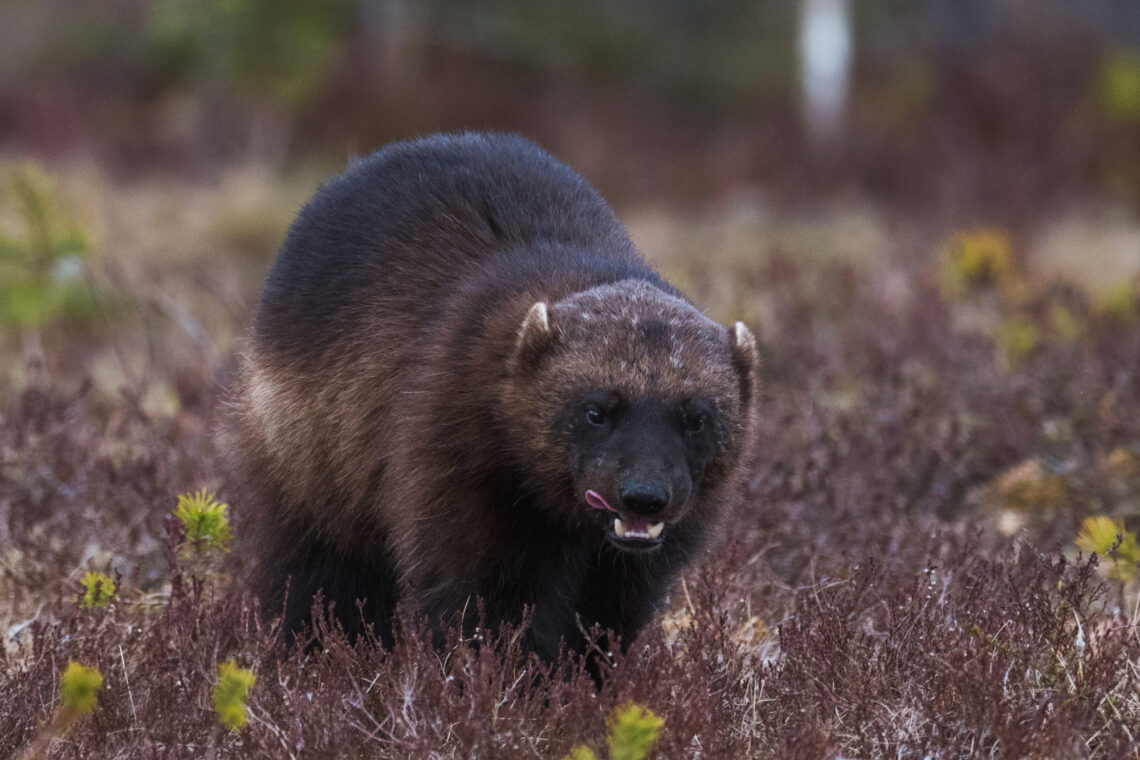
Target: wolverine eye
(695,417)
(595,416)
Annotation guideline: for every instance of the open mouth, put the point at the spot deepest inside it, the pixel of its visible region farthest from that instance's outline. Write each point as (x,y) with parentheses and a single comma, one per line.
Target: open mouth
(639,529)
(636,535)
(629,532)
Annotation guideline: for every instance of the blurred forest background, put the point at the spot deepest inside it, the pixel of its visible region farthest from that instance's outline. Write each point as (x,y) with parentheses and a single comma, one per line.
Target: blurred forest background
(728,116)
(927,210)
(990,108)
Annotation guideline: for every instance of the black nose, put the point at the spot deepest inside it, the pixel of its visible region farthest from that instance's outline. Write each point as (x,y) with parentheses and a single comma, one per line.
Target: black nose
(644,497)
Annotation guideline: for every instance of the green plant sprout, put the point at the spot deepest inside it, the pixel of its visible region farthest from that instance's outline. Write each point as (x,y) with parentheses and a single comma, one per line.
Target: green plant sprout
(98,589)
(204,517)
(78,696)
(633,732)
(78,688)
(1108,538)
(230,693)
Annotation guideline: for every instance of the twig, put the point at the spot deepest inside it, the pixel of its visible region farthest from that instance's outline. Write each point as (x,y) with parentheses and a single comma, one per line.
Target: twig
(127,681)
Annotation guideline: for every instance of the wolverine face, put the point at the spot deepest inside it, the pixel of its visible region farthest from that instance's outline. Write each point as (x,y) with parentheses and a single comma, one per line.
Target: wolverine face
(640,402)
(637,463)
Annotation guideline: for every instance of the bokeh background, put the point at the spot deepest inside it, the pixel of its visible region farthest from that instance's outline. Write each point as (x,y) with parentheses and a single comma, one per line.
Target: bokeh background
(989,108)
(984,107)
(190,130)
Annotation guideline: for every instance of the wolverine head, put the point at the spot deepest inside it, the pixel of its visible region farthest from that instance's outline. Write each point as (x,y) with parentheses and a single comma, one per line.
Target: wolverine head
(638,405)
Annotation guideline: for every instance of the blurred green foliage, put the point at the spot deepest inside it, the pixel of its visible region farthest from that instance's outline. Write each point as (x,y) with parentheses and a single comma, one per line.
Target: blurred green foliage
(1018,337)
(1118,302)
(1120,85)
(42,247)
(1065,323)
(276,49)
(975,259)
(717,53)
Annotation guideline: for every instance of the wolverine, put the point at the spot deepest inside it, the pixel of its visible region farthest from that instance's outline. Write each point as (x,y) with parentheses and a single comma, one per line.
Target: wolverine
(464,383)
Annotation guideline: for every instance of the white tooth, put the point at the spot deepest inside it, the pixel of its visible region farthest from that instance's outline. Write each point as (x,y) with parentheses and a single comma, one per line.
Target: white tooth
(619,527)
(655,530)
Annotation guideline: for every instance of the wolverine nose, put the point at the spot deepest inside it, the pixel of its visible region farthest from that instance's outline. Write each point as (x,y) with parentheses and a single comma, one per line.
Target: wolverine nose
(644,497)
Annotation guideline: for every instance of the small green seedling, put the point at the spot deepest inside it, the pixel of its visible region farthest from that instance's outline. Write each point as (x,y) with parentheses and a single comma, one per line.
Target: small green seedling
(230,694)
(633,732)
(78,688)
(97,590)
(78,696)
(204,517)
(1108,538)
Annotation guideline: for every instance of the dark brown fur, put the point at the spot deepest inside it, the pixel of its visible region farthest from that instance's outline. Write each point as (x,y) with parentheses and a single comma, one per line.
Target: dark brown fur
(411,418)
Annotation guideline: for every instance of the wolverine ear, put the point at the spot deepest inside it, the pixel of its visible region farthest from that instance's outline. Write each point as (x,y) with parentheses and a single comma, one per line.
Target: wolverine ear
(534,336)
(746,359)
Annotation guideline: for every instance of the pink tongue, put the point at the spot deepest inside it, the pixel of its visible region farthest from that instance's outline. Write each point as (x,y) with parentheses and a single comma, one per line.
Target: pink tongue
(595,500)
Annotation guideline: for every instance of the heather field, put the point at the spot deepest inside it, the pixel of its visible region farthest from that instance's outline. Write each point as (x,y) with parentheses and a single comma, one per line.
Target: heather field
(927,212)
(935,555)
